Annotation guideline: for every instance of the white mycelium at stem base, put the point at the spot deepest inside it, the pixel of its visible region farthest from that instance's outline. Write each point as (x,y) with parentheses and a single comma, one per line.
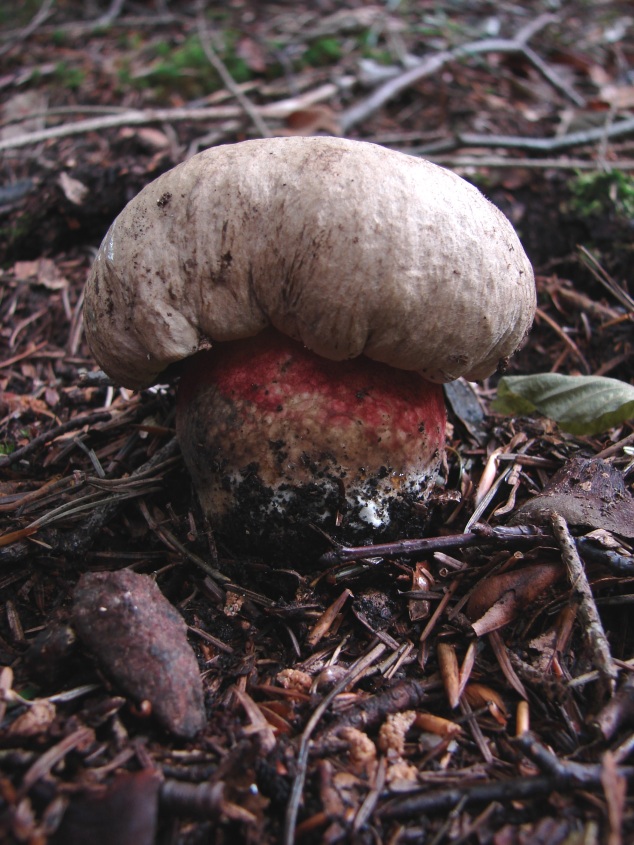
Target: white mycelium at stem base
(358,253)
(276,438)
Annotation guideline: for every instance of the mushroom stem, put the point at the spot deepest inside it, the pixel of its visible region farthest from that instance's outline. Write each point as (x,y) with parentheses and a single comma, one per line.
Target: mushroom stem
(278,439)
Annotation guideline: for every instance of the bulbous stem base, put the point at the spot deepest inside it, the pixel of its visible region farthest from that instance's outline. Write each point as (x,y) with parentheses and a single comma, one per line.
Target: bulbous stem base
(279,441)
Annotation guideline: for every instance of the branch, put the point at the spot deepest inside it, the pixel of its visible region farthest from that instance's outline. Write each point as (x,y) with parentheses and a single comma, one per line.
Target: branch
(431,65)
(588,612)
(43,13)
(228,80)
(549,145)
(137,117)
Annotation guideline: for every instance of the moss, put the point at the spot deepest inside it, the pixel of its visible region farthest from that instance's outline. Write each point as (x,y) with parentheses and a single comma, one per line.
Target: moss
(69,76)
(323,51)
(608,194)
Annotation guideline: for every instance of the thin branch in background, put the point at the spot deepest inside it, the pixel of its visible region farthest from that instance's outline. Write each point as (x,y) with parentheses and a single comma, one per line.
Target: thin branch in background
(228,80)
(550,145)
(111,14)
(38,19)
(606,280)
(553,78)
(145,117)
(468,161)
(433,64)
(540,314)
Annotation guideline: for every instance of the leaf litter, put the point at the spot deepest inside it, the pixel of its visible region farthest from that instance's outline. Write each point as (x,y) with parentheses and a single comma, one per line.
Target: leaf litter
(367,700)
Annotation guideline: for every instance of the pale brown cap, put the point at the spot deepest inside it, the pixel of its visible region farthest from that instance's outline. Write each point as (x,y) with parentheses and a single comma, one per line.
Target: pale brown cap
(347,246)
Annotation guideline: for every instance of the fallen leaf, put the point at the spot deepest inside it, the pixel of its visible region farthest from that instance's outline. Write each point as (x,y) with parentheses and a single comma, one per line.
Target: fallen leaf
(34,721)
(501,598)
(44,272)
(311,121)
(586,492)
(74,190)
(580,404)
(479,696)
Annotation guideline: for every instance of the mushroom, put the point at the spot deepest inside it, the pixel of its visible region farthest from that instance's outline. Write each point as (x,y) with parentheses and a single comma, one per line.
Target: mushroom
(316,292)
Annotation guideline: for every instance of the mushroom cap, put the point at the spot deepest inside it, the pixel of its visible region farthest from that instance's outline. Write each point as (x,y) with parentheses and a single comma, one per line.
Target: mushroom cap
(344,245)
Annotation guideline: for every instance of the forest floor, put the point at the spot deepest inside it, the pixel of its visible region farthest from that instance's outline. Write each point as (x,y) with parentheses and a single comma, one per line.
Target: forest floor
(475,687)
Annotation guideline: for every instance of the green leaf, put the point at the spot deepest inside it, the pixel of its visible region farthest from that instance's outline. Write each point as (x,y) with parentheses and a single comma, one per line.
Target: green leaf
(580,404)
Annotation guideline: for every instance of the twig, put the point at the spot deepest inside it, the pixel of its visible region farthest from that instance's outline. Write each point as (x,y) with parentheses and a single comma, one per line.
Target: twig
(561,776)
(228,80)
(510,536)
(549,145)
(584,775)
(351,675)
(572,346)
(371,712)
(145,117)
(77,29)
(606,280)
(433,64)
(520,535)
(444,800)
(617,712)
(51,434)
(173,543)
(588,612)
(41,15)
(110,15)
(553,78)
(470,161)
(615,448)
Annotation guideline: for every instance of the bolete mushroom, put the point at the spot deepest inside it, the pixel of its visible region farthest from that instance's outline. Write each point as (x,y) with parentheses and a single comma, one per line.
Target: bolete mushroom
(316,291)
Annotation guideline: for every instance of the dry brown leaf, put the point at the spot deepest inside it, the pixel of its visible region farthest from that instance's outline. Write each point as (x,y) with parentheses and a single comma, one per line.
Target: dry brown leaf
(436,725)
(311,121)
(479,695)
(450,672)
(74,190)
(44,272)
(17,110)
(499,599)
(35,720)
(252,53)
(18,404)
(24,270)
(619,97)
(422,579)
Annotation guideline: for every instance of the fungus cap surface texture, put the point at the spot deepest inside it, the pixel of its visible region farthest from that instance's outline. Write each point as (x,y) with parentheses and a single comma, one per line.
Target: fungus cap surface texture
(346,246)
